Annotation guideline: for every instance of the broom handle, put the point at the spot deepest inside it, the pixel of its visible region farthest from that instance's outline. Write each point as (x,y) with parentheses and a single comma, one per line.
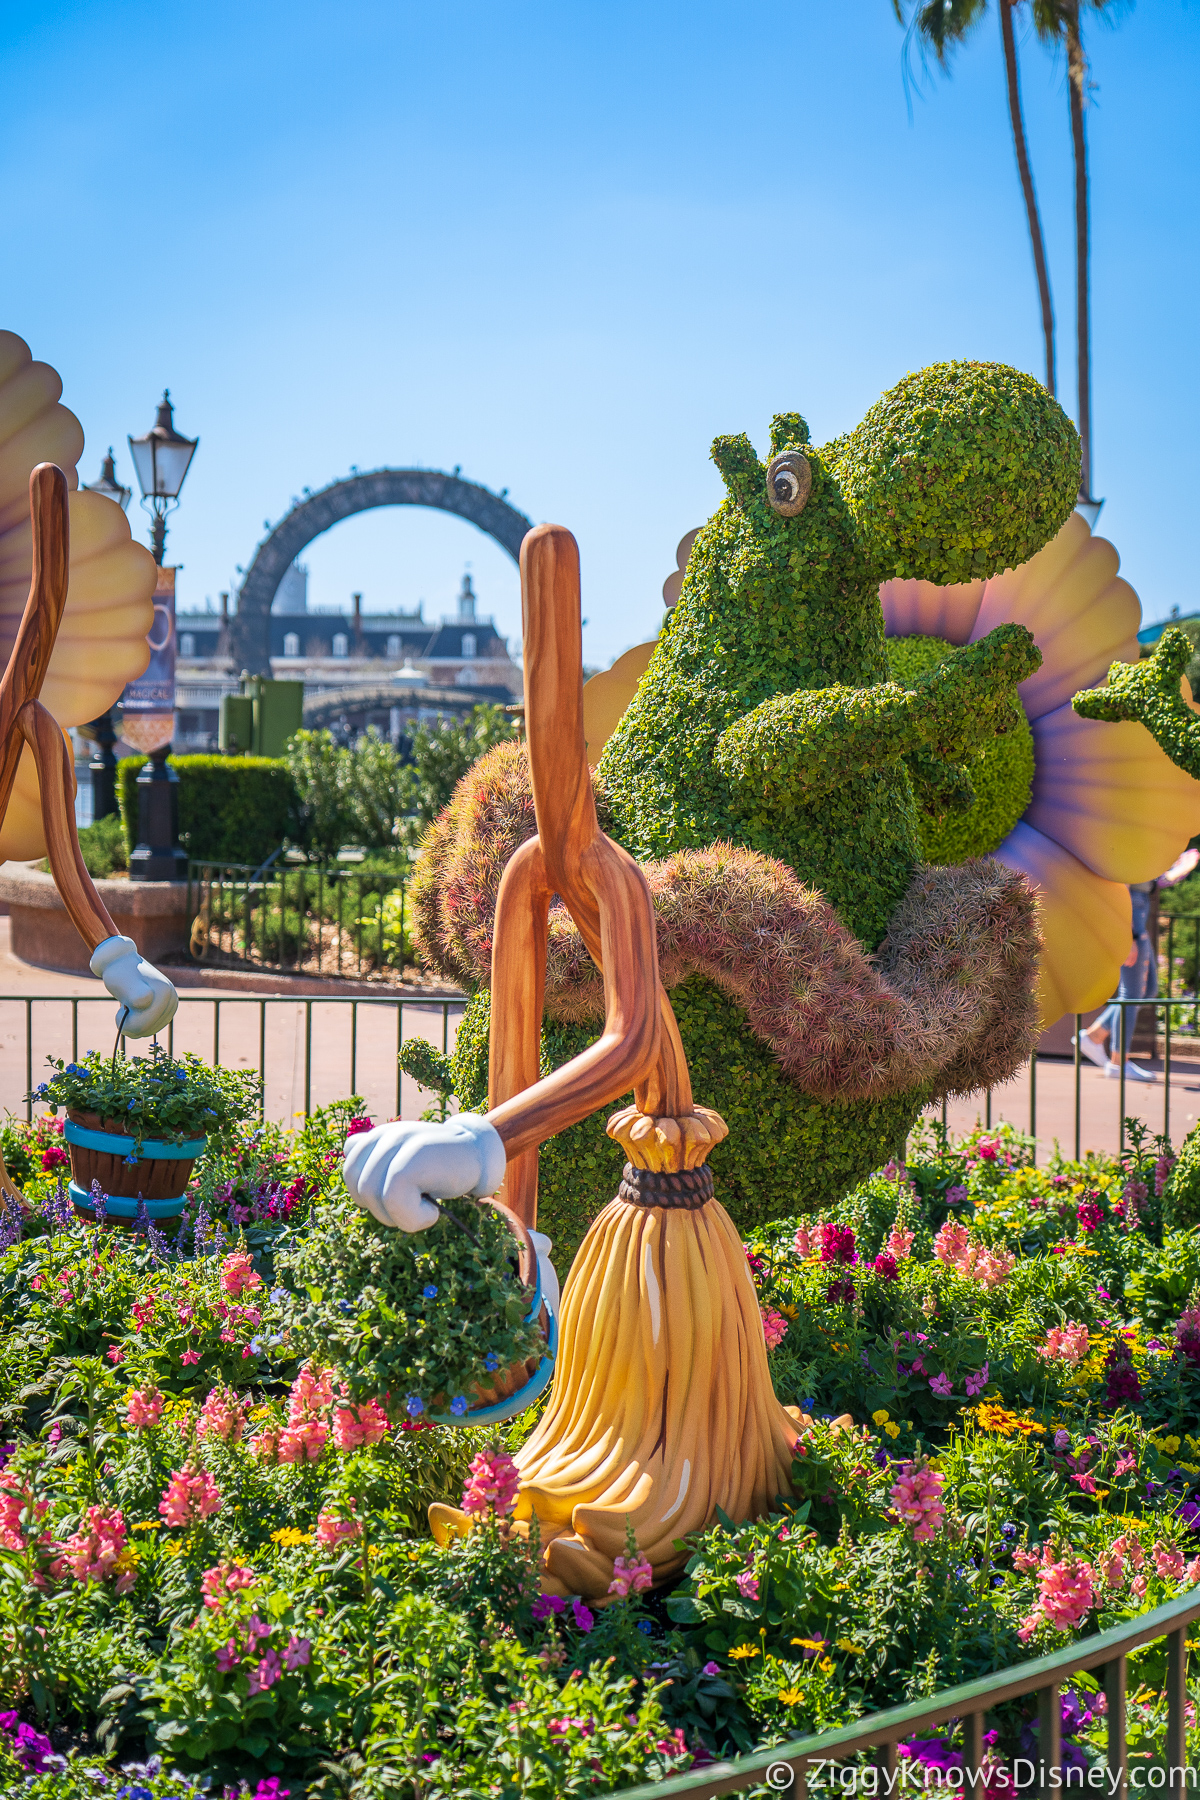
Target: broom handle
(601,886)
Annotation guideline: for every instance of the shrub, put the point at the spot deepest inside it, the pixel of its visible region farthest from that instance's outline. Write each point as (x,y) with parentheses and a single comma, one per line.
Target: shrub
(231,808)
(155,1096)
(1182,1194)
(417,1321)
(102,846)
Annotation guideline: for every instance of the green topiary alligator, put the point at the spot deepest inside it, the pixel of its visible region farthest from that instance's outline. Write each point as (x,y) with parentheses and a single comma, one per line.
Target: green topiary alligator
(766,721)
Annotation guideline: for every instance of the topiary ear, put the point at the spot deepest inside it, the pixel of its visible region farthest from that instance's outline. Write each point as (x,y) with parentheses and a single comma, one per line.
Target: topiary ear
(789,431)
(740,468)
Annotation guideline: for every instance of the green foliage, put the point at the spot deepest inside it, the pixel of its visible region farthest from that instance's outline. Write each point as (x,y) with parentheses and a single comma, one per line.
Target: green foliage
(421,1318)
(102,846)
(156,1095)
(1148,692)
(370,796)
(231,808)
(1000,775)
(1182,1195)
(786,1152)
(766,716)
(960,470)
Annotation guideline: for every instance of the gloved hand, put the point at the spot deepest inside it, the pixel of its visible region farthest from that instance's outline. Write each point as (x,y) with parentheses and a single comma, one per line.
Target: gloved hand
(148,1000)
(391,1169)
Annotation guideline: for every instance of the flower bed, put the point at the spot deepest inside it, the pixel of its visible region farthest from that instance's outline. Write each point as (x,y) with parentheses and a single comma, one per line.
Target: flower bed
(214,1562)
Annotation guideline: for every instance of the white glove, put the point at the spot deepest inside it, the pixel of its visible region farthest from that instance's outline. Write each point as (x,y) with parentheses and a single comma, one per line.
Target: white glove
(148,1000)
(391,1169)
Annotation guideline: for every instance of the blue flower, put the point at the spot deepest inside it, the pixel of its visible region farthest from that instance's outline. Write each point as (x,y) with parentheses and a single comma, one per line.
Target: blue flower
(414,1405)
(491,1361)
(646,1626)
(131,1106)
(807,1405)
(256,1346)
(458,1405)
(277,1294)
(131,1161)
(39,1093)
(429,1291)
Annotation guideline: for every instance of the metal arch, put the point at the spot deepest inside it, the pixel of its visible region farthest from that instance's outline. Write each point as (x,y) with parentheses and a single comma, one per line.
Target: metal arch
(250,629)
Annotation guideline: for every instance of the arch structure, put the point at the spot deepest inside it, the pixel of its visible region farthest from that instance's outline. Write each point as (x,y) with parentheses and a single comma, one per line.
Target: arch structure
(250,626)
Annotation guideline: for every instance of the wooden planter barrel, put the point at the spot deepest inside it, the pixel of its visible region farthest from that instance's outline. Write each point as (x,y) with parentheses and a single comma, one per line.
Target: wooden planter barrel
(100,1150)
(511,1390)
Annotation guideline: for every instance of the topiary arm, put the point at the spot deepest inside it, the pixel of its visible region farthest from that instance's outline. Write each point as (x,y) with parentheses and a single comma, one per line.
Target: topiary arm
(807,743)
(1148,693)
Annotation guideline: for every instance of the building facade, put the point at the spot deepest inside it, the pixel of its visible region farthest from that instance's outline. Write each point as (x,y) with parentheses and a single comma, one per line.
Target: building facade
(355,665)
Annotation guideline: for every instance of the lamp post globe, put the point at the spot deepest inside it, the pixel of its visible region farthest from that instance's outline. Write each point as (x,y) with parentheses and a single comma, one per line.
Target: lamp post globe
(161,458)
(108,485)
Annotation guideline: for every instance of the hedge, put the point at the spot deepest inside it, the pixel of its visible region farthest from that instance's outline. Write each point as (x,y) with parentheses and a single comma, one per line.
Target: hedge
(231,808)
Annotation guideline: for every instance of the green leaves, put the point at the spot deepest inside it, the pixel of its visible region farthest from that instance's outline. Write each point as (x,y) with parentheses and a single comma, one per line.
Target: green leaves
(156,1095)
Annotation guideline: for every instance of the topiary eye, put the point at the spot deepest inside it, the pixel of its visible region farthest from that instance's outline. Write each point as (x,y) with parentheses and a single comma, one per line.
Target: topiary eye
(789,478)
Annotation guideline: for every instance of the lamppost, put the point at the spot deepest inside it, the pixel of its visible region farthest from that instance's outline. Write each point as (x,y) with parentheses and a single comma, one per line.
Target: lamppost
(162,458)
(103,766)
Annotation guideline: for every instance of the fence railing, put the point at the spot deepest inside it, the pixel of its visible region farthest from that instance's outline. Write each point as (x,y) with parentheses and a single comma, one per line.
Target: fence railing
(785,1767)
(1179,954)
(1176,1037)
(300,918)
(354,1049)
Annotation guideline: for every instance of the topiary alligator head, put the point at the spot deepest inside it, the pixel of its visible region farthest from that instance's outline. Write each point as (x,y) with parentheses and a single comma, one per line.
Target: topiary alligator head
(766,716)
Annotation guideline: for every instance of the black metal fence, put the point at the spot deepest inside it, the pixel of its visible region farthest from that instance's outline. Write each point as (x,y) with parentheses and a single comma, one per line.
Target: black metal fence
(298,918)
(305,1049)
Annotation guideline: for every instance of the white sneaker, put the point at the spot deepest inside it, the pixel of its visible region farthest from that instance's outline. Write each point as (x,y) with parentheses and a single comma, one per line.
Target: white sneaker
(1091,1049)
(1132,1072)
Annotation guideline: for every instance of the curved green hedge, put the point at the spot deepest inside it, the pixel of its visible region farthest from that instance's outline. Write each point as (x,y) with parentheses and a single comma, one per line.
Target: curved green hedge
(231,808)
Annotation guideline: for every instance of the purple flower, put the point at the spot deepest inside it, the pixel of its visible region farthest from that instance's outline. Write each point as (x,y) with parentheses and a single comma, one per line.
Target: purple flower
(942,1384)
(583,1618)
(711,1668)
(32,1749)
(931,1753)
(547,1605)
(956,1195)
(1062,1441)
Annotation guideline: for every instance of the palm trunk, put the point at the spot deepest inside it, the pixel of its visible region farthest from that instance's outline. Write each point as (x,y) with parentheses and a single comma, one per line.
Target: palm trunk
(1076,77)
(1031,205)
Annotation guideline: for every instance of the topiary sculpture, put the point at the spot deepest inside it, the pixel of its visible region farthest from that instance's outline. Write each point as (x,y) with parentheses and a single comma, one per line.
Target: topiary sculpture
(812,973)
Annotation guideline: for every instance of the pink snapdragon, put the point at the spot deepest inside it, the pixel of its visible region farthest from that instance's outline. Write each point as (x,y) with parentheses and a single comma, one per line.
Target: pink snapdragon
(631,1575)
(835,1243)
(354,1426)
(493,1481)
(802,1243)
(143,1407)
(238,1274)
(1067,1343)
(774,1327)
(1130,1548)
(1168,1562)
(976,1262)
(97,1551)
(900,1243)
(917,1498)
(311,1395)
(221,1416)
(222,1580)
(190,1496)
(1162,1173)
(302,1443)
(334,1529)
(1067,1593)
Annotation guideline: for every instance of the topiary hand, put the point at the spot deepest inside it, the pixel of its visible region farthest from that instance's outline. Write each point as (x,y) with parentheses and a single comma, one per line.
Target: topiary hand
(1148,693)
(807,743)
(393,1170)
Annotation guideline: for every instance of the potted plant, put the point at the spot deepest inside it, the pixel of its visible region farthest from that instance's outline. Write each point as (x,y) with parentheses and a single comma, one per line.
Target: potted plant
(446,1325)
(135,1125)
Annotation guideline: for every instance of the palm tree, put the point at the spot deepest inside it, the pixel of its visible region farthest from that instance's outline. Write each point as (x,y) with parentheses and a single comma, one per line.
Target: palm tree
(1058,22)
(940,25)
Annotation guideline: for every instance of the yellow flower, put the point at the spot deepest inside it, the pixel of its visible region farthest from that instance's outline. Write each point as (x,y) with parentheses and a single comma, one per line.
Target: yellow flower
(849,1648)
(790,1696)
(810,1643)
(740,1651)
(1170,1445)
(825,1666)
(880,1417)
(290,1537)
(892,1430)
(147,1525)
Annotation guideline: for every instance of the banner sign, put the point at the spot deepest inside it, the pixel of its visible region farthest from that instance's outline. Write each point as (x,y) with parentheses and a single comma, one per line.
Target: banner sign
(154,692)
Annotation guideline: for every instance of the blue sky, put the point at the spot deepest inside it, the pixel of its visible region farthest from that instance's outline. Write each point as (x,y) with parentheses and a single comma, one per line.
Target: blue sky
(565,247)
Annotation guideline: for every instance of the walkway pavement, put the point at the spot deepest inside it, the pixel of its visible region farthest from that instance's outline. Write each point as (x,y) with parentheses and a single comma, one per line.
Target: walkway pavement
(308,1046)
